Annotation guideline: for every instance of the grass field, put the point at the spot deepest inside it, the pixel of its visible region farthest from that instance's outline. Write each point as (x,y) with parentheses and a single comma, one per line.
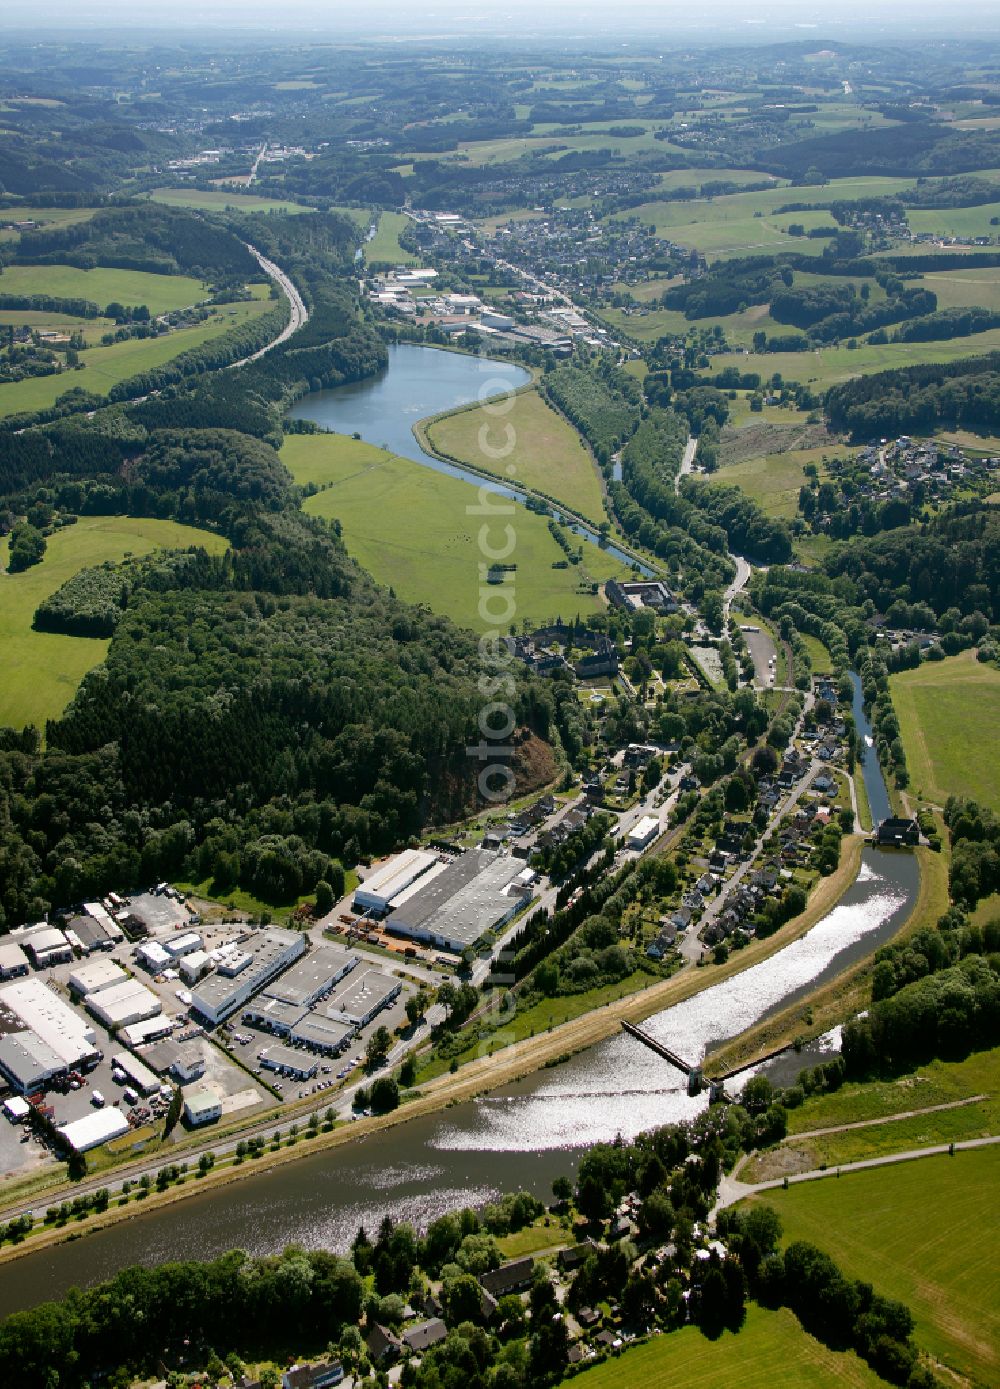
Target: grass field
(103,286)
(771,1349)
(104,367)
(925,1232)
(948,714)
(818,654)
(772,481)
(384,245)
(409,527)
(547,455)
(218,199)
(91,328)
(41,670)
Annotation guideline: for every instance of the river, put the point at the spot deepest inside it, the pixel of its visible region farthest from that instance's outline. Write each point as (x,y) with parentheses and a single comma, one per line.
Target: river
(417,383)
(522,1135)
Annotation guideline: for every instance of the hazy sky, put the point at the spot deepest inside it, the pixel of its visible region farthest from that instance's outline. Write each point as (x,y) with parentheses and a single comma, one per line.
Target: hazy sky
(727,20)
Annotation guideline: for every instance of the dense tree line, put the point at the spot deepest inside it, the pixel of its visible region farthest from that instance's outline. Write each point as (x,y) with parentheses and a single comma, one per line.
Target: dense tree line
(975,861)
(919,399)
(948,323)
(603,402)
(749,530)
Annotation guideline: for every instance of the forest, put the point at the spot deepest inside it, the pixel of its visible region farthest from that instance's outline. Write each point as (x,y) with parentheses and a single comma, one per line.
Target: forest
(919,399)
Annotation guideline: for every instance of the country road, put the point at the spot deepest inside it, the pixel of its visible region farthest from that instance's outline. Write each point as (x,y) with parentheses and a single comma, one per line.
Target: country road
(687,462)
(732,1191)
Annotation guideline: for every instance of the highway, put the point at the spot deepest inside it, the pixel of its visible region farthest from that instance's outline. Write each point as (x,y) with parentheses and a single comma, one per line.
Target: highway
(298,316)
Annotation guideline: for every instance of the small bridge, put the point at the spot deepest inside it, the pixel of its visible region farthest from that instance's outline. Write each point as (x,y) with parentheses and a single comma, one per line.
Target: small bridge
(696,1082)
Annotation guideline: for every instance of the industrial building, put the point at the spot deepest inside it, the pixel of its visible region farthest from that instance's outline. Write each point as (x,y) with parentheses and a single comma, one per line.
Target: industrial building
(48,946)
(362,997)
(457,907)
(313,976)
(643,832)
(221,994)
(287,1062)
(322,1034)
(138,1033)
(94,1129)
(152,956)
(184,1063)
(89,934)
(179,946)
(13,961)
(377,891)
(28,1063)
(43,1012)
(195,966)
(122,1004)
(273,1014)
(97,912)
(95,975)
(136,1072)
(202,1107)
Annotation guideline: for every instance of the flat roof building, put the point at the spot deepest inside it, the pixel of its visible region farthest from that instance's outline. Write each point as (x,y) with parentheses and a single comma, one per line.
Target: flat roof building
(286,1061)
(195,966)
(122,1004)
(136,1034)
(183,1061)
(152,956)
(313,976)
(363,996)
(272,951)
(643,832)
(182,945)
(94,1129)
(96,974)
(28,1063)
(460,905)
(48,946)
(13,961)
(322,1034)
(386,882)
(90,933)
(43,1012)
(202,1107)
(137,1072)
(274,1014)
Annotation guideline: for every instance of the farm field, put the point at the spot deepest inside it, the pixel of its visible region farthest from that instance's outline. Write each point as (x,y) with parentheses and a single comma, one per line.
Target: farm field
(42,670)
(771,1349)
(384,245)
(91,328)
(408,526)
(218,199)
(925,1232)
(104,367)
(49,216)
(104,286)
(946,711)
(548,454)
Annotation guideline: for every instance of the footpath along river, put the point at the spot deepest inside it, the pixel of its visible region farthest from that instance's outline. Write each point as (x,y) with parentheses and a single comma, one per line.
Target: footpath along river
(522,1135)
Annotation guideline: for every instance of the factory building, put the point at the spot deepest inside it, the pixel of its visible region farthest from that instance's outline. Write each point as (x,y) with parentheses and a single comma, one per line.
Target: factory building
(120,1005)
(362,997)
(42,1011)
(139,1033)
(136,1072)
(379,889)
(152,956)
(457,907)
(13,961)
(178,946)
(313,976)
(322,1034)
(195,966)
(95,975)
(184,1062)
(287,1062)
(48,946)
(221,994)
(94,1129)
(28,1063)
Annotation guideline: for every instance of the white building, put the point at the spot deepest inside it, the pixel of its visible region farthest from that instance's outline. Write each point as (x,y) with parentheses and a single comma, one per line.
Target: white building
(272,951)
(643,832)
(94,1129)
(42,1011)
(152,956)
(195,966)
(96,974)
(178,946)
(202,1107)
(122,1004)
(391,878)
(13,961)
(136,1072)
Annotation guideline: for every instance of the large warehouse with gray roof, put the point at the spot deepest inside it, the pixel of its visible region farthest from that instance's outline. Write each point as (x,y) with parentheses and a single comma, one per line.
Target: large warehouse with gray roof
(458,906)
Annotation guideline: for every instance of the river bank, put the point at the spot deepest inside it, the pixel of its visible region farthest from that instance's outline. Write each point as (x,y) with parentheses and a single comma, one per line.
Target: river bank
(476,1078)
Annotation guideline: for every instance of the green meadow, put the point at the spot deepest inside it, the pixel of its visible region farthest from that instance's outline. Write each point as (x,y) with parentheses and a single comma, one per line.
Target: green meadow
(218,199)
(771,1349)
(925,1232)
(546,453)
(409,527)
(384,245)
(104,285)
(949,712)
(41,670)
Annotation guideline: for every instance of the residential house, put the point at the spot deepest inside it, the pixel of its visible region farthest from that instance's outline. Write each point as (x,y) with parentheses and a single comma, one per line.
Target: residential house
(427,1334)
(508,1278)
(383,1345)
